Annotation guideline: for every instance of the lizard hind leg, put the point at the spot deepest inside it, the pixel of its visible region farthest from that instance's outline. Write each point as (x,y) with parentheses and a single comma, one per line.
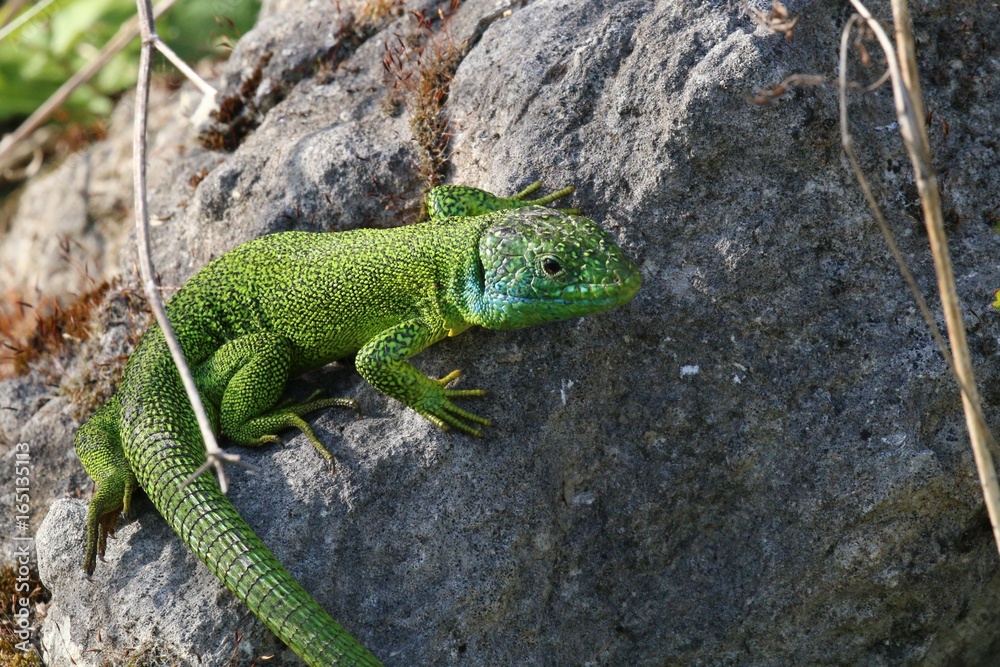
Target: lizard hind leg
(289,415)
(246,377)
(98,444)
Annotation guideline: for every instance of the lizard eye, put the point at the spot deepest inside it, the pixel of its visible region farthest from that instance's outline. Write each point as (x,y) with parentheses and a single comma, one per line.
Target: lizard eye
(551,266)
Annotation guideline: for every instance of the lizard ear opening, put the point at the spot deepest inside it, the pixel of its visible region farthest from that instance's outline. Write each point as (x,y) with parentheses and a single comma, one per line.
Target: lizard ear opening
(480,275)
(475,302)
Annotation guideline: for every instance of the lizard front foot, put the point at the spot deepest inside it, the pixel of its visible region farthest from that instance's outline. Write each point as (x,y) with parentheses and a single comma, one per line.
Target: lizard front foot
(547,199)
(438,408)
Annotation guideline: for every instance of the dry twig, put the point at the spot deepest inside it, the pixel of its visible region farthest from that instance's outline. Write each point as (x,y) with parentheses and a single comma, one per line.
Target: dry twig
(8,12)
(777,20)
(766,95)
(909,112)
(215,457)
(14,24)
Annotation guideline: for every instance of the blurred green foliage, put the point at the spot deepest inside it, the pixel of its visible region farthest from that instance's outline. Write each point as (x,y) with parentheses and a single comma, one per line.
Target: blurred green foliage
(37,58)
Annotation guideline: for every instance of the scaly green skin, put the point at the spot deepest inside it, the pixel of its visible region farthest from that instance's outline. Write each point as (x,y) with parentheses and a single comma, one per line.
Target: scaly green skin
(277,306)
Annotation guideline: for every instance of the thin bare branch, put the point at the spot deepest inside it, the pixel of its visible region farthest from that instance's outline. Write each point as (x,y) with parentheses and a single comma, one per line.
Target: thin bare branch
(215,457)
(778,20)
(185,69)
(31,151)
(27,17)
(909,111)
(881,81)
(930,197)
(9,11)
(125,34)
(767,95)
(848,141)
(911,80)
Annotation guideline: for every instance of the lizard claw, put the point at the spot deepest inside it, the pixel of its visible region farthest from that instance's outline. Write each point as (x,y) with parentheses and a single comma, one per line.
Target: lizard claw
(547,199)
(445,420)
(446,415)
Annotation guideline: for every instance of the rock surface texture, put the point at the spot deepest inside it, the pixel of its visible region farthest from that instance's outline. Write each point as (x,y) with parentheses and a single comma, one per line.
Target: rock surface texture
(759,461)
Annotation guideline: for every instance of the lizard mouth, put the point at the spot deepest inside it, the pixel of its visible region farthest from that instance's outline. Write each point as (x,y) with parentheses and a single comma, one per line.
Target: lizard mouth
(620,290)
(621,286)
(589,297)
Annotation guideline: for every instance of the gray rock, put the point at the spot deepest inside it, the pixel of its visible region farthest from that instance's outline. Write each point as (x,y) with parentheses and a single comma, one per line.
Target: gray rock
(19,399)
(759,461)
(124,606)
(54,470)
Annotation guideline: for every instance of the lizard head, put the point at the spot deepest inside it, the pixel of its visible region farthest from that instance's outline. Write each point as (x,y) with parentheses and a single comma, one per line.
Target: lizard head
(538,265)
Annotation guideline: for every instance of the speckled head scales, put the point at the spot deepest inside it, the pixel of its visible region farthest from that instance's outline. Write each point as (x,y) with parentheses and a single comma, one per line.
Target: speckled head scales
(541,265)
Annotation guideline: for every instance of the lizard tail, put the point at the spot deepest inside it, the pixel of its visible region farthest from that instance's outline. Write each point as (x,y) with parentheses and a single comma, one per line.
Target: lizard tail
(164,448)
(214,530)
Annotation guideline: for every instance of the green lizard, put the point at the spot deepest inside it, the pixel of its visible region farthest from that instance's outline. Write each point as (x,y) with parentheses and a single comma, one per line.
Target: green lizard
(284,303)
